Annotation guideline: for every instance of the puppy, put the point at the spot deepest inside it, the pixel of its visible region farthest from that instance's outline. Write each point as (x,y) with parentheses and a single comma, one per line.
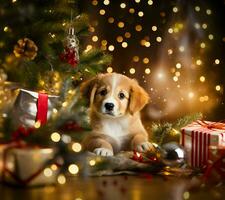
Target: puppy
(115,103)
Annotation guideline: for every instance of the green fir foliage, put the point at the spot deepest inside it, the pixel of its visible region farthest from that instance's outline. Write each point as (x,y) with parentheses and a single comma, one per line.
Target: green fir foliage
(167,132)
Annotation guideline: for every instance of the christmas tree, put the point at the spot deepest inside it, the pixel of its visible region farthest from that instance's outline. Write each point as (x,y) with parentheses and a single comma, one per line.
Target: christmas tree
(42,47)
(42,53)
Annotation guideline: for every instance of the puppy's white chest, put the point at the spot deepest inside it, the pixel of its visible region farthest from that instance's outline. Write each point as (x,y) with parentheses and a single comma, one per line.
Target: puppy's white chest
(116,129)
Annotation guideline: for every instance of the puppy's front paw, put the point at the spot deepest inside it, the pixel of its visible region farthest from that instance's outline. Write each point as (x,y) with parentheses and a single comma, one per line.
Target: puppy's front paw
(103,152)
(143,147)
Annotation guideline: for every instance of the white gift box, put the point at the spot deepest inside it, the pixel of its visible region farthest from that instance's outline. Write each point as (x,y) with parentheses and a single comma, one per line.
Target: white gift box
(198,137)
(27,166)
(25,108)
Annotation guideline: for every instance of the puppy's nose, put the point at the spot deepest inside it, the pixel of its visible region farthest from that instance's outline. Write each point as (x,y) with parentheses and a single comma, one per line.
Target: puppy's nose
(109,106)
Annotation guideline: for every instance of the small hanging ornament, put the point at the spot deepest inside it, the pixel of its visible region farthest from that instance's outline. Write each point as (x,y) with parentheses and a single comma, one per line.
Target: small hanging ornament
(71,48)
(25,48)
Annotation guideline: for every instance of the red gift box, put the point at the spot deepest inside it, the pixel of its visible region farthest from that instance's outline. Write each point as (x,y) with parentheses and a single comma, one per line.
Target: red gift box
(215,169)
(198,137)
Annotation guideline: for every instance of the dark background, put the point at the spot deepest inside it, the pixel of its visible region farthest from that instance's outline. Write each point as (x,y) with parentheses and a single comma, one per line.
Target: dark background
(169,99)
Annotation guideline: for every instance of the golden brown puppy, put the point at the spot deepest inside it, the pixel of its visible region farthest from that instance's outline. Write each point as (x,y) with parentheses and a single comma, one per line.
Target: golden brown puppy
(115,101)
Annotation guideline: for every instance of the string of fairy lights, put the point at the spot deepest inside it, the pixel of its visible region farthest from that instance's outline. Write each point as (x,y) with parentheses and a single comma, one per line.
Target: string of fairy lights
(180,68)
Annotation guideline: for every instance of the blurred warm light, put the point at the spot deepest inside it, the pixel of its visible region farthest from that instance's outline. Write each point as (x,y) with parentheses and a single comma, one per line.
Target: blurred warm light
(138,27)
(103,48)
(198,62)
(91,29)
(201,99)
(13,1)
(111,48)
(127,35)
(137,1)
(102,12)
(64,104)
(210,36)
(132,71)
(150,2)
(95,38)
(119,38)
(55,110)
(175,9)
(48,172)
(76,147)
(160,75)
(178,65)
(121,24)
(186,195)
(158,39)
(73,169)
(218,88)
(140,14)
(190,95)
(202,45)
(177,74)
(175,78)
(197,8)
(181,48)
(95,2)
(170,30)
(145,60)
(124,44)
(88,48)
(54,167)
(204,26)
(104,42)
(92,162)
(217,61)
(154,28)
(197,25)
(173,70)
(37,124)
(106,2)
(208,12)
(202,79)
(170,51)
(147,71)
(55,137)
(109,69)
(61,179)
(131,10)
(135,58)
(122,5)
(110,20)
(6,29)
(147,44)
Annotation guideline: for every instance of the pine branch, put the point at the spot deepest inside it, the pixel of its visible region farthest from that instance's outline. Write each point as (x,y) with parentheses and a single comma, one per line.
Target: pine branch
(165,132)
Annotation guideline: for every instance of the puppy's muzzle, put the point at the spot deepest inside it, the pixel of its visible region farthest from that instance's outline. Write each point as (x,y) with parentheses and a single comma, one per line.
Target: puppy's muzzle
(109,107)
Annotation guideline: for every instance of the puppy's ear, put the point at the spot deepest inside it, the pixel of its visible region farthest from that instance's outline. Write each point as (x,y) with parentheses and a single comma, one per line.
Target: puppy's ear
(138,97)
(88,89)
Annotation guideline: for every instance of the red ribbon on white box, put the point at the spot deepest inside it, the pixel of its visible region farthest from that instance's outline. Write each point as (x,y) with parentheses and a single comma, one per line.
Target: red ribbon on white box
(198,137)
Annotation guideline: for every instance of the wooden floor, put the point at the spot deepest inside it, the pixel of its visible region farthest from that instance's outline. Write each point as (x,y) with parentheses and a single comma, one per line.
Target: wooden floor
(115,188)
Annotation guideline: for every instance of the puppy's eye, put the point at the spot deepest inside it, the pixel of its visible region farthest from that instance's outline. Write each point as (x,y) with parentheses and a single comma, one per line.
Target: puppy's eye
(121,95)
(103,92)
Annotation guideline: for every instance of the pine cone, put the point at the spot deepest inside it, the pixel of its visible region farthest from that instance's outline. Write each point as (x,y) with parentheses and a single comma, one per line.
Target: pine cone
(25,48)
